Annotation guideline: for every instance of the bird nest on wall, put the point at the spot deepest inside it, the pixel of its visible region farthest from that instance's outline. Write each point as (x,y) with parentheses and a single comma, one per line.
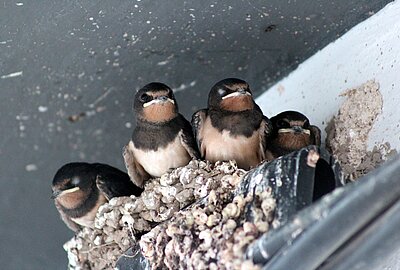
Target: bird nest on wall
(203,216)
(212,233)
(347,133)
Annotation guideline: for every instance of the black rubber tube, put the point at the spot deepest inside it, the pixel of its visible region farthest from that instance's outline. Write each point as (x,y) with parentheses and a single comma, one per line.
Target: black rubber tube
(368,197)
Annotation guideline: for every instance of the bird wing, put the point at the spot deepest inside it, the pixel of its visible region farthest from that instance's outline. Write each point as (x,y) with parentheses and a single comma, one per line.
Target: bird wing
(187,139)
(198,120)
(115,183)
(265,135)
(136,172)
(317,135)
(67,220)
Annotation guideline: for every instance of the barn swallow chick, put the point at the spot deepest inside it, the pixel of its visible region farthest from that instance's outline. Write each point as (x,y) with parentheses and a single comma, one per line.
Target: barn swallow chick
(291,131)
(233,126)
(162,139)
(79,189)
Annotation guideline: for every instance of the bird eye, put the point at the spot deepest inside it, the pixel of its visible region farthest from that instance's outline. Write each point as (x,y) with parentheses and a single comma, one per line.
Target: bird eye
(221,92)
(144,97)
(75,181)
(282,124)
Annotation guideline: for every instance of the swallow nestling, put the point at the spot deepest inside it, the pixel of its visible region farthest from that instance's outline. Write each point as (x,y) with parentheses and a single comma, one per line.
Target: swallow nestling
(162,139)
(291,131)
(79,189)
(233,126)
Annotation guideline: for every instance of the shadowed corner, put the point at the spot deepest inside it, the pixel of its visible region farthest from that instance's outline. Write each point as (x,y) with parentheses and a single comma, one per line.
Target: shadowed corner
(324,180)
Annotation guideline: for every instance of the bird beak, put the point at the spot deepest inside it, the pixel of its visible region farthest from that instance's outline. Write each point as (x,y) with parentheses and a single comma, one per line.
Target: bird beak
(294,129)
(237,93)
(58,193)
(160,99)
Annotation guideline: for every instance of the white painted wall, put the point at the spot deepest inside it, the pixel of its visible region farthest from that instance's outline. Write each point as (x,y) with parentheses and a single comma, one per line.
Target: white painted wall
(370,50)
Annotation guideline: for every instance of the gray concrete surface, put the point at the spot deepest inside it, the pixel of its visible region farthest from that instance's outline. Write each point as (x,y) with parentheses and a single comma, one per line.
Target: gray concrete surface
(69,69)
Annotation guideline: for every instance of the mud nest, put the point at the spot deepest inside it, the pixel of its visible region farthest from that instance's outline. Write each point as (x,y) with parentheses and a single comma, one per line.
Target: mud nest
(347,134)
(214,223)
(213,233)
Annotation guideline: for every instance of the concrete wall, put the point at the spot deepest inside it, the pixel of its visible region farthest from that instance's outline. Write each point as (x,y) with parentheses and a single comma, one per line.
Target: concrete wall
(370,50)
